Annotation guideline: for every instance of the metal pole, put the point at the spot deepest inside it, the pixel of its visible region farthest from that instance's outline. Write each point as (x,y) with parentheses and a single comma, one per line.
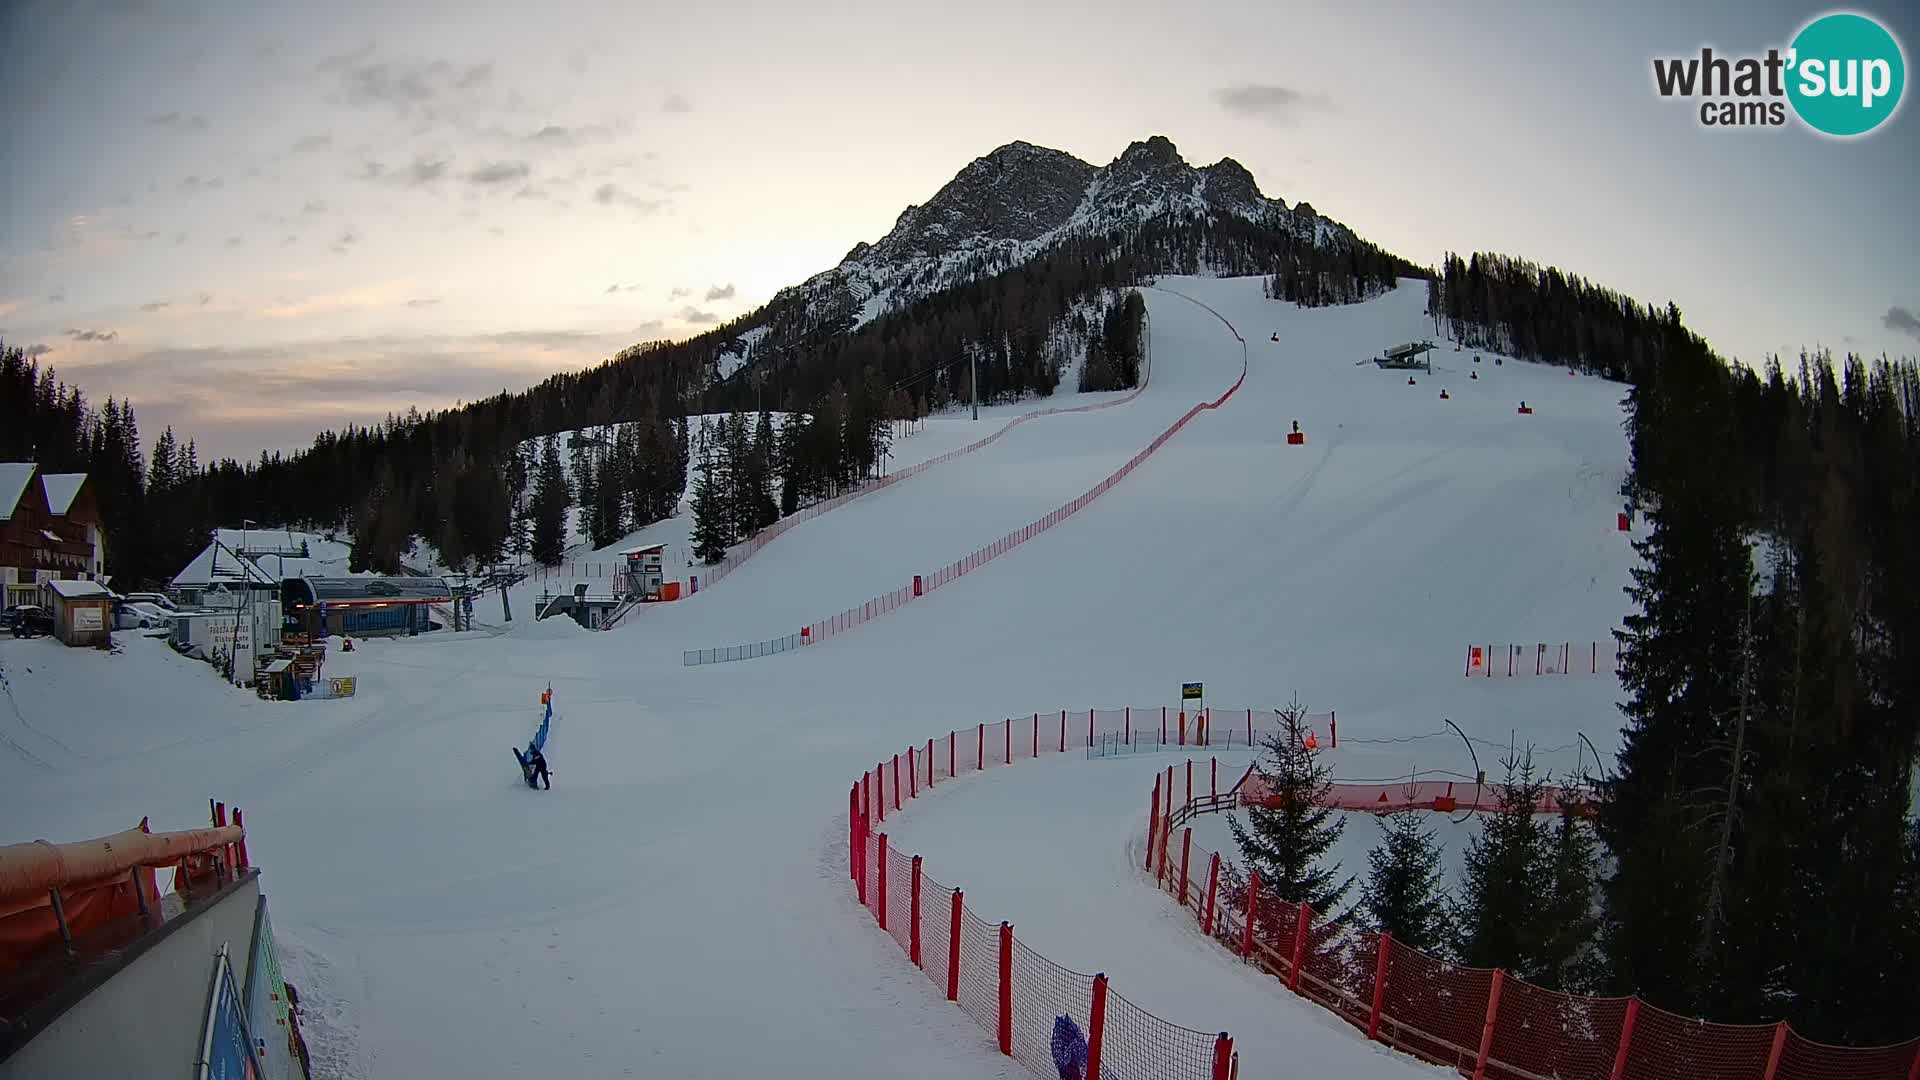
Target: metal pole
(60,916)
(973,380)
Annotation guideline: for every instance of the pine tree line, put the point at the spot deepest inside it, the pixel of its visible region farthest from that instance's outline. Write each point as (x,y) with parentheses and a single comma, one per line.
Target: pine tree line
(1512,306)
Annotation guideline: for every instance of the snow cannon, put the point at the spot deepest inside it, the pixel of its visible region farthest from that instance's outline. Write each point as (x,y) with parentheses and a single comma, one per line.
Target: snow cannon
(1525,409)
(1473,375)
(1410,380)
(1626,523)
(1275,337)
(1444,395)
(1296,437)
(1476,358)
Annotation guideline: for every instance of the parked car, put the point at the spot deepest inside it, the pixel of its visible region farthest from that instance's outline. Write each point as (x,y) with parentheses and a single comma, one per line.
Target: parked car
(29,620)
(140,615)
(158,600)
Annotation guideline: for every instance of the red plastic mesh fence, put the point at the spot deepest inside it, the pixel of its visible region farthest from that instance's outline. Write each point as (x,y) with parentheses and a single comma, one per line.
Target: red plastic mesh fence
(1546,1033)
(936,929)
(1804,1059)
(1043,990)
(980,971)
(1666,1046)
(873,874)
(900,898)
(1438,1011)
(1337,970)
(1141,1046)
(1434,1009)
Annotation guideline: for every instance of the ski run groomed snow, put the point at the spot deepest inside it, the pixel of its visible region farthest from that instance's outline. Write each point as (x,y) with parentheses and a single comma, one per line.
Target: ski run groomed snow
(678,904)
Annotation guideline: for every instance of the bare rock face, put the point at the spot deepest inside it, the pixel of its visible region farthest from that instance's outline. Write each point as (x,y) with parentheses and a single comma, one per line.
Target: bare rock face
(1018,201)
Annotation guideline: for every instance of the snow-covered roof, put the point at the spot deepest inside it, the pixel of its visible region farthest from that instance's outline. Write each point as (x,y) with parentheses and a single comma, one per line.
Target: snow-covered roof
(216,564)
(69,589)
(14,477)
(282,567)
(255,539)
(61,489)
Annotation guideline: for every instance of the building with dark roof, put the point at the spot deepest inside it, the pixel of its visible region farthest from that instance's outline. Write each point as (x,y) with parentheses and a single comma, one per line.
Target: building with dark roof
(362,606)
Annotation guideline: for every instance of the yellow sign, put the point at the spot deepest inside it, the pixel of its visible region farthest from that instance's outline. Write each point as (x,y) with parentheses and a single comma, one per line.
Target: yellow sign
(339,687)
(1189,691)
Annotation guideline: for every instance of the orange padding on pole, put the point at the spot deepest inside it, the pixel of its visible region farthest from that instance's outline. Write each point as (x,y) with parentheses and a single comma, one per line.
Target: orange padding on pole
(27,871)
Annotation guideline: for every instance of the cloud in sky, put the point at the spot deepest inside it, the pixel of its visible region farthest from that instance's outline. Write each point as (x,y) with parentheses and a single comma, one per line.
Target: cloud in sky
(93,335)
(175,121)
(679,292)
(156,305)
(1278,105)
(676,104)
(36,351)
(1901,320)
(720,292)
(423,302)
(406,85)
(616,287)
(611,194)
(694,315)
(306,144)
(200,183)
(500,172)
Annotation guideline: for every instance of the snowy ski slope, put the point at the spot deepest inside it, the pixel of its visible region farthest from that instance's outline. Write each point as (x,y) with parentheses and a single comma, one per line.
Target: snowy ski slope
(677,905)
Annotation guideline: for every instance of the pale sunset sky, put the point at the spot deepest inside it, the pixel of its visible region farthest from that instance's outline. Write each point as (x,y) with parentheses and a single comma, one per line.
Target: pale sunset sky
(257,220)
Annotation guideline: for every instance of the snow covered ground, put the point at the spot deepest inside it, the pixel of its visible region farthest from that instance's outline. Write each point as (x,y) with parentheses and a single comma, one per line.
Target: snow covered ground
(677,905)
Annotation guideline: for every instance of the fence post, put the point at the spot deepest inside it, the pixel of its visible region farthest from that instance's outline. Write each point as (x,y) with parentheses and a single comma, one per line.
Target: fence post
(1626,1040)
(1379,986)
(1213,784)
(1090,714)
(1333,727)
(1299,947)
(1153,820)
(1166,829)
(1128,728)
(931,767)
(1222,1057)
(1779,1047)
(913,916)
(853,832)
(1163,725)
(1213,885)
(1063,731)
(1036,734)
(1253,909)
(1182,728)
(866,795)
(1249,729)
(240,845)
(881,876)
(1006,989)
(880,788)
(1097,1026)
(896,781)
(1186,853)
(1189,802)
(1009,737)
(860,879)
(953,947)
(1486,1032)
(980,752)
(913,776)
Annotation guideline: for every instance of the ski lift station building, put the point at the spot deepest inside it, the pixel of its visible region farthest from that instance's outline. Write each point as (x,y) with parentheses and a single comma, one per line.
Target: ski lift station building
(362,606)
(1411,355)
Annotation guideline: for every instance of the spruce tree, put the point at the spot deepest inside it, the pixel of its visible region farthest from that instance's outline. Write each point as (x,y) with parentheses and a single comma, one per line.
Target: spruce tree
(1498,920)
(551,500)
(1569,918)
(1287,837)
(710,536)
(1404,893)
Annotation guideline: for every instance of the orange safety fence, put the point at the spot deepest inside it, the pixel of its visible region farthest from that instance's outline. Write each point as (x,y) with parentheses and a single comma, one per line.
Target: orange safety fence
(1481,1021)
(1015,994)
(816,632)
